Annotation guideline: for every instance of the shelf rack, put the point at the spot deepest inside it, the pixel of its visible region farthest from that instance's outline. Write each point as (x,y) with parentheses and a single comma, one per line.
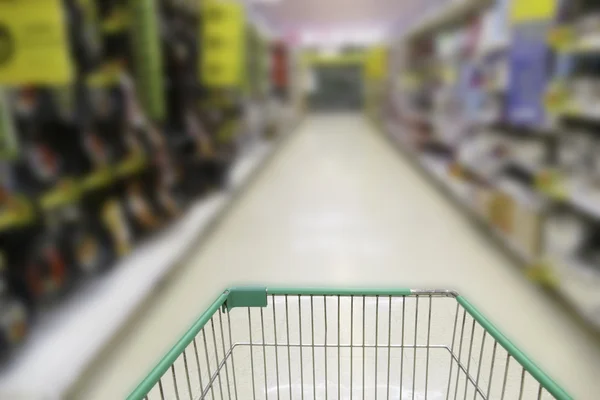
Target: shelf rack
(68,338)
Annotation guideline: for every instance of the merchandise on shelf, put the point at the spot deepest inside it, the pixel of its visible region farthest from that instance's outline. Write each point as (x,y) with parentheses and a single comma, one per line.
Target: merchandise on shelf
(505,116)
(103,152)
(17,224)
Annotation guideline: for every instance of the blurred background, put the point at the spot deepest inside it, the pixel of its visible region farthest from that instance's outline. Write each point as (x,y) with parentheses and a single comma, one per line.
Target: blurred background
(154,152)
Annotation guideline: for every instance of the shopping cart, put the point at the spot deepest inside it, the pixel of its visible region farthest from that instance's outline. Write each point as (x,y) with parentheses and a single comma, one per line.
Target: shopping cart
(258,343)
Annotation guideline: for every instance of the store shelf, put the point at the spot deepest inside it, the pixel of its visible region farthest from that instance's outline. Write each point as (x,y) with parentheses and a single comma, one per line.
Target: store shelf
(523,195)
(461,193)
(476,170)
(587,43)
(67,338)
(532,168)
(585,201)
(438,169)
(579,198)
(515,249)
(578,112)
(578,285)
(511,198)
(573,281)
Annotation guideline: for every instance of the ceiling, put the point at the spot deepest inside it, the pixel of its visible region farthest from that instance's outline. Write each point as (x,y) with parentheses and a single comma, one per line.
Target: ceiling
(287,16)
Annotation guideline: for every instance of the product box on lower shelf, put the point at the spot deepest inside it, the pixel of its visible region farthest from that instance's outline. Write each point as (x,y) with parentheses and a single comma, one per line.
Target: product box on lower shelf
(527,231)
(501,212)
(482,200)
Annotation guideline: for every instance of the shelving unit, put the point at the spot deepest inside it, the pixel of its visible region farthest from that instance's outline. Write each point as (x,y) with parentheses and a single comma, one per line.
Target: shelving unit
(68,338)
(512,182)
(114,164)
(460,192)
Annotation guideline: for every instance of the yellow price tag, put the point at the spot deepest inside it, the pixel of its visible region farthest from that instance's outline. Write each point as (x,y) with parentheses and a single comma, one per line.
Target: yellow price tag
(561,38)
(557,98)
(33,43)
(550,183)
(542,273)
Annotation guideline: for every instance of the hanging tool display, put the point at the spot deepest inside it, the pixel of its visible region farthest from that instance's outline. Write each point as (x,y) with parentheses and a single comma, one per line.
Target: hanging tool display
(135,115)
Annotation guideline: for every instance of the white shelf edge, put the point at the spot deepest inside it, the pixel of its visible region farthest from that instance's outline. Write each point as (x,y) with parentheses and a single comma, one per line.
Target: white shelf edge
(588,42)
(579,288)
(580,113)
(583,201)
(578,198)
(68,338)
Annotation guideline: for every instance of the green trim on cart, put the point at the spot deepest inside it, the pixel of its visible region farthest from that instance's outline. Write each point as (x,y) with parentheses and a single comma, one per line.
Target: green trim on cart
(246,297)
(547,383)
(169,359)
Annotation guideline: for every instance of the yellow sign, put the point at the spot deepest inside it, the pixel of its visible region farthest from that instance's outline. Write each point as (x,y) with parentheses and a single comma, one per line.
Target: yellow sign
(310,59)
(223,57)
(532,10)
(376,63)
(33,43)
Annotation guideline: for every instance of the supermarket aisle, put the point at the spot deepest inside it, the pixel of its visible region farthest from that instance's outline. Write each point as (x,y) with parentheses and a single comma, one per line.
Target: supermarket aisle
(337,206)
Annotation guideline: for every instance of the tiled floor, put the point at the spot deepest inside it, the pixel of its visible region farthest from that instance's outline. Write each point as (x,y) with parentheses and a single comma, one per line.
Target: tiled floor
(339,207)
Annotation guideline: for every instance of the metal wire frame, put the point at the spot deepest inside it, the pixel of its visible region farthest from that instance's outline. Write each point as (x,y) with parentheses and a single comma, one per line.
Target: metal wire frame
(474,367)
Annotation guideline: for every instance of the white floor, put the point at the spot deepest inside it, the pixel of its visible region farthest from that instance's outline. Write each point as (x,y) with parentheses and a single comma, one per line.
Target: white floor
(339,207)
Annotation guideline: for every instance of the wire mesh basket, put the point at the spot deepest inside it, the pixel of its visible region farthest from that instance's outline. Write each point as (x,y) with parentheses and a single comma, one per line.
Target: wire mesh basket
(257,343)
